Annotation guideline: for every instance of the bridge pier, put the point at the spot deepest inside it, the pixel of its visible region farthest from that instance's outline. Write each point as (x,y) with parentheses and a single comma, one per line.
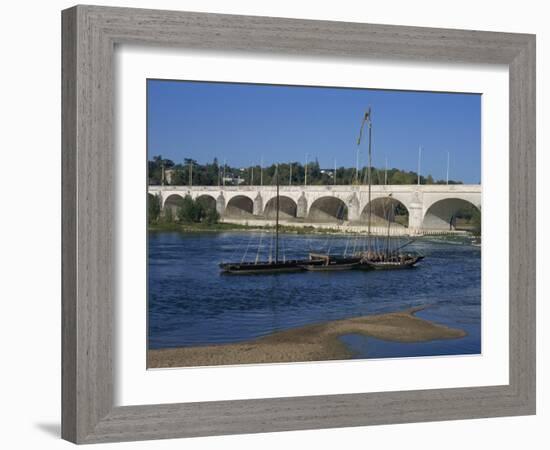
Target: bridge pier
(415,219)
(416,216)
(220,204)
(354,208)
(301,207)
(258,205)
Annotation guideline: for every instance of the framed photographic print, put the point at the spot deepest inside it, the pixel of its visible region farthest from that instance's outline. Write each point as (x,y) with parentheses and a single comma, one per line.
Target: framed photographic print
(278,224)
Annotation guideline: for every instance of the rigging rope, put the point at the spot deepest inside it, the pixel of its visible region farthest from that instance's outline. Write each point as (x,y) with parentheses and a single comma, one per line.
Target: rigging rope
(234,253)
(346,248)
(247,246)
(259,247)
(270,258)
(284,250)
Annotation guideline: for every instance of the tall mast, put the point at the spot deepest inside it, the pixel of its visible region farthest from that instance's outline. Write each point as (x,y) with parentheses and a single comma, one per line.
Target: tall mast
(305,173)
(419,156)
(357,157)
(290,175)
(390,212)
(368,117)
(447,167)
(277,218)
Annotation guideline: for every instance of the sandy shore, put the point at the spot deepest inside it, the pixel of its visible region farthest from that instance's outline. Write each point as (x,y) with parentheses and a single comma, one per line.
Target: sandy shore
(318,342)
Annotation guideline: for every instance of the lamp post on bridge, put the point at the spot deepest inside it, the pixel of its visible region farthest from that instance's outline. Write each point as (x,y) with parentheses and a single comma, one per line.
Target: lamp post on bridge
(419,156)
(290,174)
(305,174)
(262,171)
(447,167)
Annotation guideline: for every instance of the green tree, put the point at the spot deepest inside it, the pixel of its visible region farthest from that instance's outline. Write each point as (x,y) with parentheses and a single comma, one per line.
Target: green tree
(189,211)
(195,211)
(211,216)
(178,176)
(153,208)
(398,177)
(168,215)
(154,169)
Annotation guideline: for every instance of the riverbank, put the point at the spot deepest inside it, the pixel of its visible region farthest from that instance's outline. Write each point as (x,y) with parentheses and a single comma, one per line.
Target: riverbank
(230,226)
(200,227)
(297,228)
(318,342)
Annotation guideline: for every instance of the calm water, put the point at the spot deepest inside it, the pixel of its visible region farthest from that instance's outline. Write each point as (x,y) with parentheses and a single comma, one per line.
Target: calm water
(190,303)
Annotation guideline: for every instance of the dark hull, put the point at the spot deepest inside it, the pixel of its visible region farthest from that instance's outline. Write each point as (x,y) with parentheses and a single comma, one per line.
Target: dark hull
(333,264)
(331,267)
(265,267)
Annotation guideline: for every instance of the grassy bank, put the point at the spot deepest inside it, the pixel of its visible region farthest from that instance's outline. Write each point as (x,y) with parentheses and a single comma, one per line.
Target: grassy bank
(223,226)
(198,227)
(318,342)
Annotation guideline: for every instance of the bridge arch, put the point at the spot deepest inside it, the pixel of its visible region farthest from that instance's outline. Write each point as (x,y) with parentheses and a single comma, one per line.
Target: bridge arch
(172,202)
(326,209)
(287,208)
(207,201)
(386,207)
(239,207)
(443,214)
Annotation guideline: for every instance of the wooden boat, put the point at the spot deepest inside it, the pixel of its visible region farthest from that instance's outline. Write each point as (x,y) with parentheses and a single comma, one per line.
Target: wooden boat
(275,265)
(266,267)
(323,263)
(372,258)
(381,256)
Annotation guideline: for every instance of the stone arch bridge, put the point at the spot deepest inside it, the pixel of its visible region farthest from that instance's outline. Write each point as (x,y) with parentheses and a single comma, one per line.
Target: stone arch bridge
(427,207)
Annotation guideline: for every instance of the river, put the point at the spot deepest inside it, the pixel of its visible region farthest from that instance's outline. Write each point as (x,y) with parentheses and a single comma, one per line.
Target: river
(190,303)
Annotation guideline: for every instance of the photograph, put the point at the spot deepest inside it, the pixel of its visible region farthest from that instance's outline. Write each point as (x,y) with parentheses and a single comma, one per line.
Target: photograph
(306,223)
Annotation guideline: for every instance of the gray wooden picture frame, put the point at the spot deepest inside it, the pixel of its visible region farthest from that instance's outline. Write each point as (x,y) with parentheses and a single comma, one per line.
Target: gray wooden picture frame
(90,34)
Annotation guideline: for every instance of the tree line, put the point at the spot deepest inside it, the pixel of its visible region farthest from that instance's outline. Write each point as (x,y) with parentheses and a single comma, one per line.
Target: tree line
(165,171)
(187,211)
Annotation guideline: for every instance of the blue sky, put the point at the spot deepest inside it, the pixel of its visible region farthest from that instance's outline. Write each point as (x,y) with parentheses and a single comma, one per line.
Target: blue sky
(243,123)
